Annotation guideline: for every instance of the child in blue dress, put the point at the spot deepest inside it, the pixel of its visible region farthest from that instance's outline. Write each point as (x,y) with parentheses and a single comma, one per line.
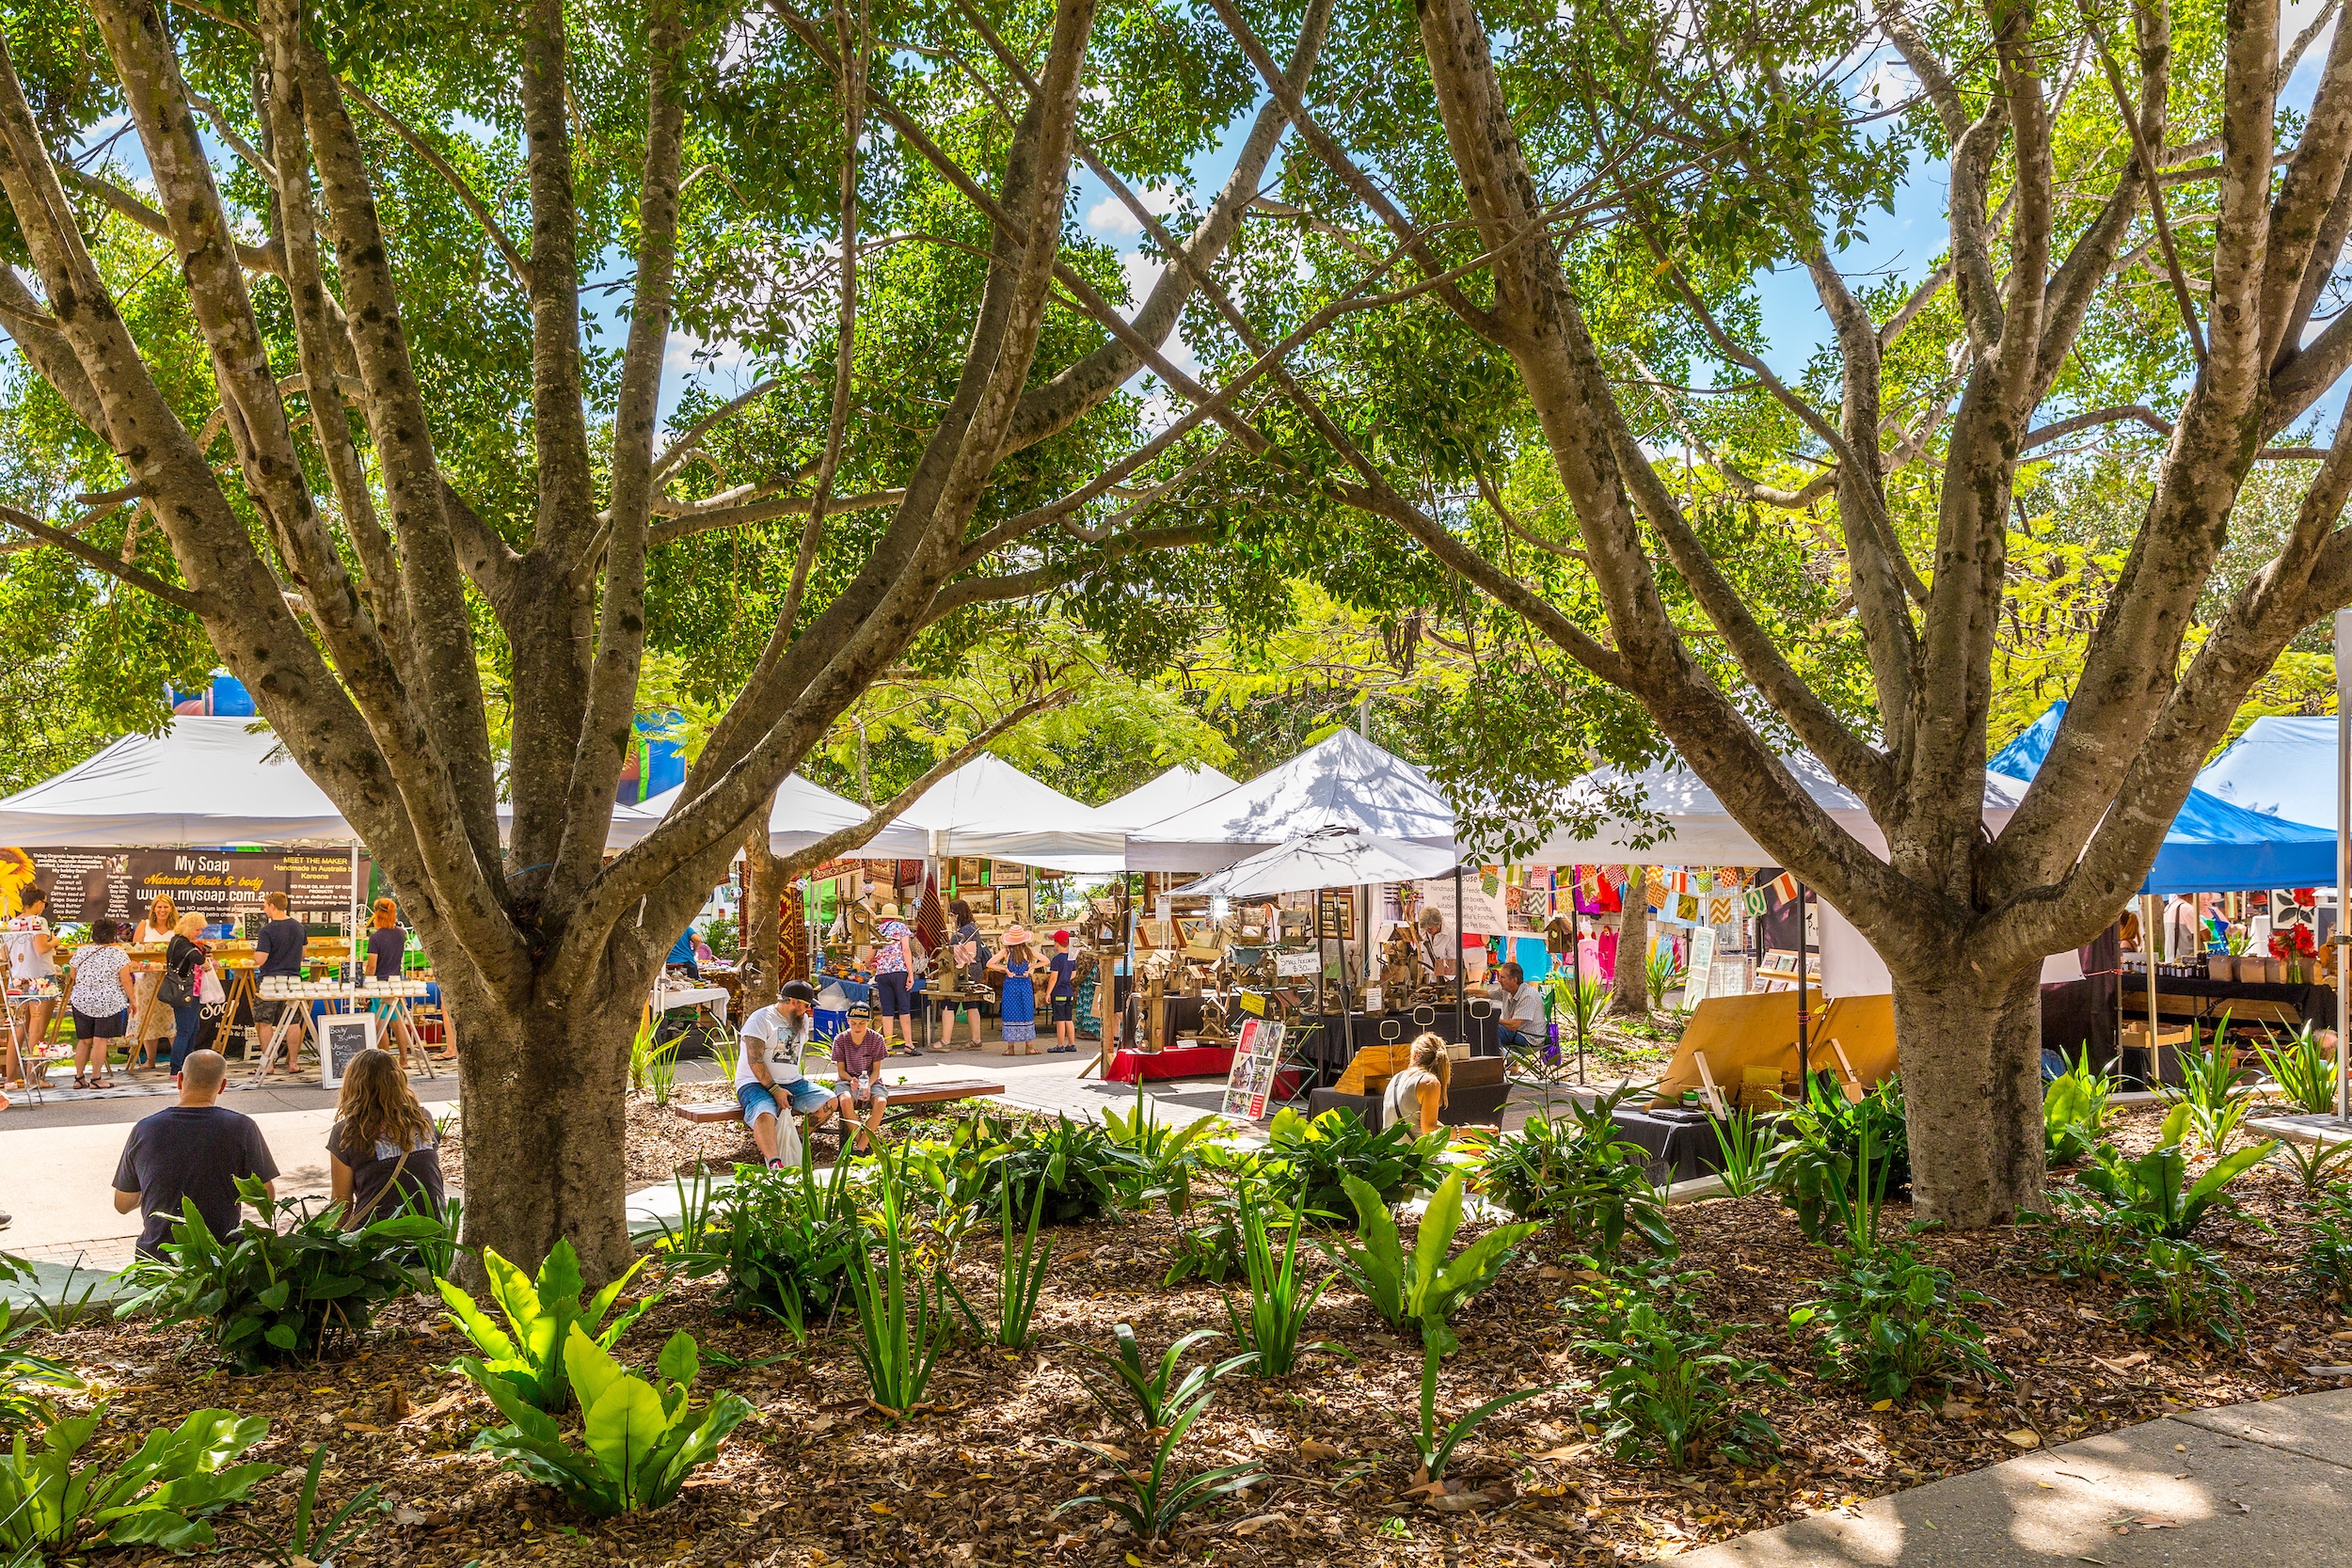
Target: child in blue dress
(1018,963)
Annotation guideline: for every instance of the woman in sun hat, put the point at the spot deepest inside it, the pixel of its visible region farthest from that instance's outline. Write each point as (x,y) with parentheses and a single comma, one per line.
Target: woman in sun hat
(893,978)
(1017,1007)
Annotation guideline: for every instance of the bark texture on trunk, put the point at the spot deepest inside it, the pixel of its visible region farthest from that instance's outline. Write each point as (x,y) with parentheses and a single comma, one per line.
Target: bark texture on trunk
(545,1129)
(1972,1093)
(1631,992)
(763,892)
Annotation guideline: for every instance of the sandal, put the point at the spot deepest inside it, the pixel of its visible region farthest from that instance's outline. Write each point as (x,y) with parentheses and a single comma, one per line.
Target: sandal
(81,1082)
(101,1082)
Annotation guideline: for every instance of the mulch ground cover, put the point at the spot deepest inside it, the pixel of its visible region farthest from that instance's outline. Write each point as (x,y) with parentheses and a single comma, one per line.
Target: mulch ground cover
(819,1478)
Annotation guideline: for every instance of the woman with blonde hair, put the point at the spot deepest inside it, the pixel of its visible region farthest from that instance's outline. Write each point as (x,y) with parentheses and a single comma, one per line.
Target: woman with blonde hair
(1418,1093)
(382,1139)
(181,987)
(150,1019)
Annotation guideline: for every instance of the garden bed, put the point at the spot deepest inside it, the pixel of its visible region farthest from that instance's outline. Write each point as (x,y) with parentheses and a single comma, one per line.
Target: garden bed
(818,1477)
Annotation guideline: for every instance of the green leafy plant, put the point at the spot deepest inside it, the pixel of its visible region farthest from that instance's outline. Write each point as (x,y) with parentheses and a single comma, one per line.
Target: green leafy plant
(57,1313)
(2214,1089)
(1166,1154)
(1149,1398)
(1743,1148)
(1664,974)
(1019,1278)
(530,1354)
(1893,1322)
(2316,1164)
(1083,1171)
(1306,1160)
(1436,1447)
(311,1542)
(640,1439)
(282,1286)
(1421,1292)
(2177,1284)
(25,1378)
(954,1176)
(786,1240)
(1280,1298)
(1573,1171)
(2081,1238)
(1668,1385)
(727,1052)
(1814,1169)
(2075,1112)
(2304,1071)
(164,1495)
(2326,1265)
(1156,1499)
(2152,1193)
(902,1318)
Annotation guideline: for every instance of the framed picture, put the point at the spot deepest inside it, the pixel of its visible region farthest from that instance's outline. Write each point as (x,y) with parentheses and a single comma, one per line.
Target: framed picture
(970,871)
(1014,903)
(1011,873)
(341,1037)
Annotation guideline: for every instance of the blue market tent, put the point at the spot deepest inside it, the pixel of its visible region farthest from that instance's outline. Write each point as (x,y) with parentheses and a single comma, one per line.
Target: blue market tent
(2283,767)
(2213,845)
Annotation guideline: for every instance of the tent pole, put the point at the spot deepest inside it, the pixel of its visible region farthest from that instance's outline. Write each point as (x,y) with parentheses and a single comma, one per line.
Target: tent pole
(1576,952)
(1461,1007)
(1804,1017)
(2344,872)
(358,897)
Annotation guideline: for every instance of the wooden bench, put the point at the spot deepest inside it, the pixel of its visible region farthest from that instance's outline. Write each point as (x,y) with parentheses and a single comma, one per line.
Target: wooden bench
(901,1095)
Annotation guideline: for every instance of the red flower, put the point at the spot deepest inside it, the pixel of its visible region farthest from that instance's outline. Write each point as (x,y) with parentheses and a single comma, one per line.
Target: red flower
(2280,945)
(2303,943)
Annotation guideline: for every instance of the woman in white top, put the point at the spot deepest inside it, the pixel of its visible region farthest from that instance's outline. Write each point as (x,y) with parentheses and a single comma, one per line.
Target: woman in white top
(1417,1093)
(151,1021)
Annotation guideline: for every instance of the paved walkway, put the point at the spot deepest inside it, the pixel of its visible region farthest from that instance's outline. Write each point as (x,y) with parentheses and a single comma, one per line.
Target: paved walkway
(2244,1486)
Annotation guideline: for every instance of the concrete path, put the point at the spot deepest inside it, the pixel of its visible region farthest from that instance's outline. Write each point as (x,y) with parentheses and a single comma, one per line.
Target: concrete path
(2244,1486)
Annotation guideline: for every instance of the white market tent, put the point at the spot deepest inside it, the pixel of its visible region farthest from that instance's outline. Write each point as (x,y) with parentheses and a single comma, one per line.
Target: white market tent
(204,781)
(1342,781)
(1698,830)
(1328,857)
(1178,789)
(991,809)
(804,813)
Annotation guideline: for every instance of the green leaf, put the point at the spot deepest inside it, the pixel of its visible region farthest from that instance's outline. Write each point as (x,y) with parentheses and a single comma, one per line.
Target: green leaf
(622,1426)
(678,1361)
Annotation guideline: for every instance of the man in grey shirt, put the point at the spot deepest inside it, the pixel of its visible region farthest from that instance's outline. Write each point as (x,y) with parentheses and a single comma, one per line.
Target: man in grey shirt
(198,1149)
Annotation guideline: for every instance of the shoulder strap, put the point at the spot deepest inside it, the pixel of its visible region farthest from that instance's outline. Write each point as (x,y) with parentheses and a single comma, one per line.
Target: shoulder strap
(354,1218)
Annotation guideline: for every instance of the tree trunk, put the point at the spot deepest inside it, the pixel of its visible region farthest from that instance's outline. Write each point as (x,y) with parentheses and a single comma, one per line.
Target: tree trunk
(1972,1094)
(763,898)
(1632,988)
(545,1123)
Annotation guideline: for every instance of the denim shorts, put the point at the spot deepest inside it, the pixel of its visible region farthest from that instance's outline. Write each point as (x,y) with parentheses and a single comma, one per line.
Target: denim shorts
(757,1099)
(892,997)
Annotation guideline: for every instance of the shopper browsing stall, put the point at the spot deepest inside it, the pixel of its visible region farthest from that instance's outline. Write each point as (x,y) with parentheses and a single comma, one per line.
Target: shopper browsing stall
(1016,1006)
(971,960)
(181,987)
(32,997)
(1063,996)
(893,978)
(100,993)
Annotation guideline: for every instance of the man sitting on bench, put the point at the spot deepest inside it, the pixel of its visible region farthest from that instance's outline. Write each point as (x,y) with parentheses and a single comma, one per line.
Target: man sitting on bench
(769,1067)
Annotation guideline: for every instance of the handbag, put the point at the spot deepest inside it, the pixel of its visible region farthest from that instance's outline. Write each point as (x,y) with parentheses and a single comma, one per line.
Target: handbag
(171,988)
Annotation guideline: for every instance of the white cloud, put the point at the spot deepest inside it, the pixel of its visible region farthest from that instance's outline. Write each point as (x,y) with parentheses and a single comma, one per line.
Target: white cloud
(1110,217)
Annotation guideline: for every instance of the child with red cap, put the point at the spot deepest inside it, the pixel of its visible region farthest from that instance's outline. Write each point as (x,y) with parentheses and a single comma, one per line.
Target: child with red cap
(1064,996)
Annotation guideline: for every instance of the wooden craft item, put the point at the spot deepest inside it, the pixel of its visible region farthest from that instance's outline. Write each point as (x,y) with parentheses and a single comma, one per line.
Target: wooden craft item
(1707,1083)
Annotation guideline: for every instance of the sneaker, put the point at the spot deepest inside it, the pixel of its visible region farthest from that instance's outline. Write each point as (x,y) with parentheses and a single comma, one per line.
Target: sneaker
(1060,1050)
(7,1219)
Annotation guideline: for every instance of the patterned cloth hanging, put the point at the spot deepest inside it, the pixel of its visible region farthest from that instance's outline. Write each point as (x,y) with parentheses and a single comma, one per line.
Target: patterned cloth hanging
(930,925)
(792,935)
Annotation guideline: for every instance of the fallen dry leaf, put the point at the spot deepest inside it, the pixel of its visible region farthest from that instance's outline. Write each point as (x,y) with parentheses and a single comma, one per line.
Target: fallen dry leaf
(1316,1449)
(2025,1437)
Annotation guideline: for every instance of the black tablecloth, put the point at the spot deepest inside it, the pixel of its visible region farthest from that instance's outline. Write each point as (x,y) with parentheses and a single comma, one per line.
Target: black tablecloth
(2315,1003)
(1319,1037)
(1680,1146)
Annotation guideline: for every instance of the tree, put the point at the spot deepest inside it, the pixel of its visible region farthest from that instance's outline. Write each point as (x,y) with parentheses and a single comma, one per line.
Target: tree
(1569,205)
(378,431)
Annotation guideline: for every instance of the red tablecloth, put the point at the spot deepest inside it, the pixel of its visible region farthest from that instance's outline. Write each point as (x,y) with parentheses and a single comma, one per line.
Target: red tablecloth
(1185,1061)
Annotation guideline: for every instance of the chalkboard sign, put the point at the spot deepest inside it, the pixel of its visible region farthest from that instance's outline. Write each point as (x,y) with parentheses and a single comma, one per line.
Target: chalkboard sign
(341,1037)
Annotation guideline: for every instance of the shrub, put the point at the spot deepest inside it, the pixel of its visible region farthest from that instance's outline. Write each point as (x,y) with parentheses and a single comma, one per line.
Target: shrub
(1743,1148)
(530,1355)
(1280,1298)
(1815,1168)
(1436,1447)
(282,1286)
(2177,1284)
(1118,1379)
(1574,1170)
(1019,1278)
(2215,1091)
(1167,1156)
(2317,1163)
(2152,1195)
(642,1439)
(2304,1071)
(1670,1385)
(2075,1112)
(1307,1161)
(785,1239)
(1082,1171)
(24,1376)
(164,1495)
(1159,1500)
(2327,1262)
(1421,1293)
(901,1329)
(311,1542)
(2081,1237)
(1891,1321)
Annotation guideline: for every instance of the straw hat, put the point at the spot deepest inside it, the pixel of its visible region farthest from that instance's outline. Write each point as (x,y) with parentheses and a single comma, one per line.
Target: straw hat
(890,911)
(1016,936)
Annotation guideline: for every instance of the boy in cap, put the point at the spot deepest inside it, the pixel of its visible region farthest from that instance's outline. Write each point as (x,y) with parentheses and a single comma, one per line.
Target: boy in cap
(858,1053)
(1064,996)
